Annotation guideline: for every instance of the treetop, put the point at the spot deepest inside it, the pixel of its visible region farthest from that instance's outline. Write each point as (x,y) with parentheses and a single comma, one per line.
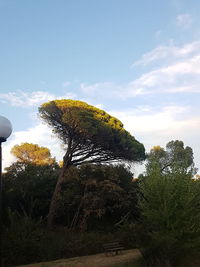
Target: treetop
(92,130)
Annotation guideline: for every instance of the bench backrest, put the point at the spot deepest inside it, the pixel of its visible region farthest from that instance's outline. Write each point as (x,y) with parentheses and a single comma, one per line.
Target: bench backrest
(111,245)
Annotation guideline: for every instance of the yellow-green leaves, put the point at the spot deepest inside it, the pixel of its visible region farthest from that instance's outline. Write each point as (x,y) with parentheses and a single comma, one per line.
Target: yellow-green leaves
(32,153)
(92,130)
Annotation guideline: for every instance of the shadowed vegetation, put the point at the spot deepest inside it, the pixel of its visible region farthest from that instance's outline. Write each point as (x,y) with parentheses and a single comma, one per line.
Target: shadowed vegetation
(94,201)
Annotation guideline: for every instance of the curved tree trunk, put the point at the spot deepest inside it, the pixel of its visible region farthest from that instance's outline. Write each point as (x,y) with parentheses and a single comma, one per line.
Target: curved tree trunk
(56,198)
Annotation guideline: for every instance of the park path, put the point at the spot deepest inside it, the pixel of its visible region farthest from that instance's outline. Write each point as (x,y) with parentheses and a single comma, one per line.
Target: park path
(98,260)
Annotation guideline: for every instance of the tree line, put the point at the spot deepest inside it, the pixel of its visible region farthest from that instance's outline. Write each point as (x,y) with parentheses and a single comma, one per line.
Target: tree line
(94,189)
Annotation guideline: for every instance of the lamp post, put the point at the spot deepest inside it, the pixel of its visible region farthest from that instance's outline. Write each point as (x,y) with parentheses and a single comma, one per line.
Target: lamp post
(5,132)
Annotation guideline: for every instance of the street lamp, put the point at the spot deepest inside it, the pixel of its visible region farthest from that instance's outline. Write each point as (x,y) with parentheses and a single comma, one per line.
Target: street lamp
(5,132)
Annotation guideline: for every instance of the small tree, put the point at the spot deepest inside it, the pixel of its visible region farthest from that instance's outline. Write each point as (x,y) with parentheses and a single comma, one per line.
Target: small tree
(90,135)
(175,158)
(30,181)
(32,153)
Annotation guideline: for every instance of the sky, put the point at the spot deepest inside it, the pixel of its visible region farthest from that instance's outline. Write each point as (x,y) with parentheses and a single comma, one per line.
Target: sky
(137,60)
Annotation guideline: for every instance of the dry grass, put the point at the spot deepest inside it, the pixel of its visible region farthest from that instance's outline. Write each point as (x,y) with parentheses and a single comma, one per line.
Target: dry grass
(98,260)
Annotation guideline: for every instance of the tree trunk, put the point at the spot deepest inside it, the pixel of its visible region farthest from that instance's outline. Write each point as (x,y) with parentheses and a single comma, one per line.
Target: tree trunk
(77,213)
(56,198)
(76,216)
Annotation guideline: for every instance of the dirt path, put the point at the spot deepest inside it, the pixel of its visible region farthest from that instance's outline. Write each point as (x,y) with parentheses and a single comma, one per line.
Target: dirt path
(98,260)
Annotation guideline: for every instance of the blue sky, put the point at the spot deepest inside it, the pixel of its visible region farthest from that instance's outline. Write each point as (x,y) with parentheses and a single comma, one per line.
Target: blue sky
(138,60)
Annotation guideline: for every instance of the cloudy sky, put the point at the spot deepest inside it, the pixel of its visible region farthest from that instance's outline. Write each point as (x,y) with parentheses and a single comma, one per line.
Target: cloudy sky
(138,60)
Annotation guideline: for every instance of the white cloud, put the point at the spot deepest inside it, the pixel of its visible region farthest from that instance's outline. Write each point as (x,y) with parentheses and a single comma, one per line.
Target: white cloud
(159,127)
(100,106)
(169,52)
(111,90)
(177,70)
(100,88)
(148,120)
(181,76)
(40,134)
(28,99)
(184,20)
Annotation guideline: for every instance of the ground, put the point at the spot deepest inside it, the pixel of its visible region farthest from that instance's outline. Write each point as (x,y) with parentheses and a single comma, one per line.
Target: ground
(98,260)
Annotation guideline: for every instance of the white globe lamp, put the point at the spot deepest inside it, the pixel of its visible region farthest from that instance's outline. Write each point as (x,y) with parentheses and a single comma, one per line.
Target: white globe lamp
(5,129)
(5,132)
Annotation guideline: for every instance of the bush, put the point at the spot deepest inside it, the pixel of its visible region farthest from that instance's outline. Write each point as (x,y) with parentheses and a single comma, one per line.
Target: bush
(170,207)
(20,240)
(26,241)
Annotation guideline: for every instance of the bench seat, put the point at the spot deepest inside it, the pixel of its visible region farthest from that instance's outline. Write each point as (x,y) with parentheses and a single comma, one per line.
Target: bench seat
(113,248)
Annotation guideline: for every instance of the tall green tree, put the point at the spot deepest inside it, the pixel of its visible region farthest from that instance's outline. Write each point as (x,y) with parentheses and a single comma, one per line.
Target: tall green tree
(175,158)
(90,135)
(170,214)
(32,153)
(170,205)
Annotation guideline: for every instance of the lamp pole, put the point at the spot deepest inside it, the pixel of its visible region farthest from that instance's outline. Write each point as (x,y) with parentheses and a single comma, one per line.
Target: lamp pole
(1,183)
(5,132)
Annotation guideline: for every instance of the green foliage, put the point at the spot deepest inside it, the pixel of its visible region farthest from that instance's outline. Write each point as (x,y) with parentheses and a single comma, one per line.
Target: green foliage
(20,240)
(28,188)
(170,207)
(91,136)
(32,153)
(175,158)
(98,196)
(26,241)
(90,133)
(93,197)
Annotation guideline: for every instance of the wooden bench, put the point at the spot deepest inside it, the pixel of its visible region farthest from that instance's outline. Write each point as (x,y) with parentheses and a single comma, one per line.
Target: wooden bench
(113,248)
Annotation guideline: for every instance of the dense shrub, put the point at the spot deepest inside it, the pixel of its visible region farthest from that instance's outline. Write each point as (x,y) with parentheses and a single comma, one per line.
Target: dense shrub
(28,188)
(96,197)
(170,208)
(25,241)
